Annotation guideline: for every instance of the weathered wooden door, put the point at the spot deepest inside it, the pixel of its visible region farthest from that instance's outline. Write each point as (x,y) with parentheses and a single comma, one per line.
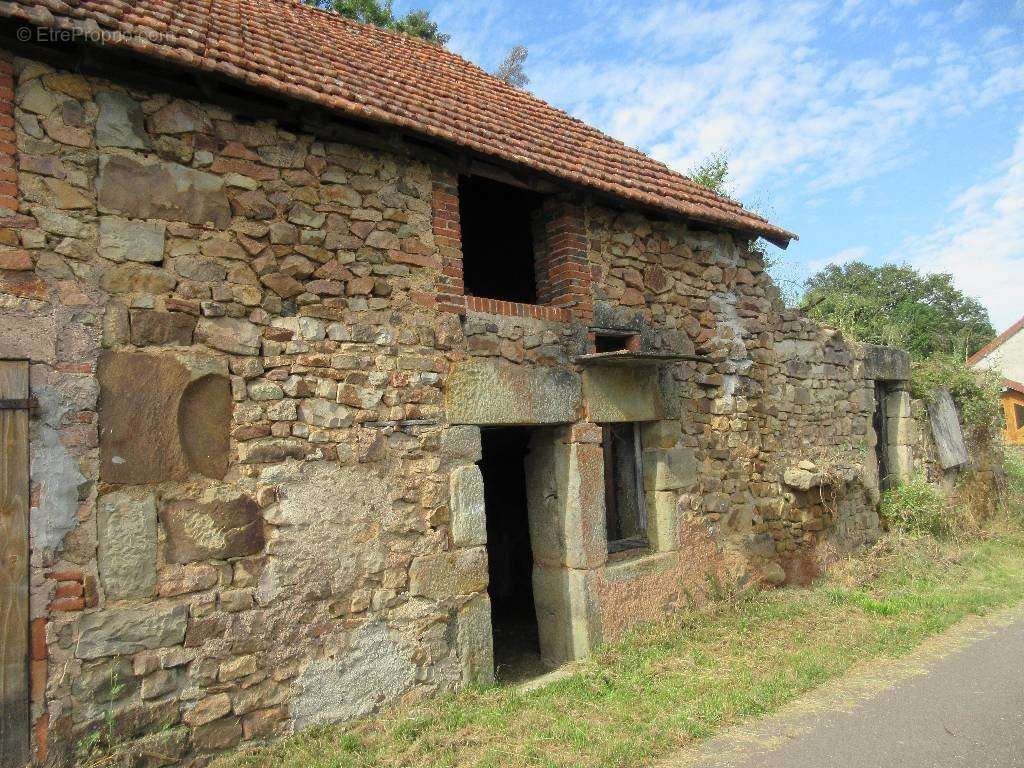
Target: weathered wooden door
(14,490)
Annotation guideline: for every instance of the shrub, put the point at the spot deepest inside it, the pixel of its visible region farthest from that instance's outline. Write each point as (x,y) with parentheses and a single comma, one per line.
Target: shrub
(976,393)
(918,507)
(1013,464)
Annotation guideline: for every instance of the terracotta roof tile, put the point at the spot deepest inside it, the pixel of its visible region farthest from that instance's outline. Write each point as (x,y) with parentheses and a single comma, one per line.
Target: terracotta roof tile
(1016,386)
(292,49)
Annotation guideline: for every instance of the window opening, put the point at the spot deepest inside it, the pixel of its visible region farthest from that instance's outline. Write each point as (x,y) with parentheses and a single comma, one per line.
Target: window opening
(625,507)
(498,254)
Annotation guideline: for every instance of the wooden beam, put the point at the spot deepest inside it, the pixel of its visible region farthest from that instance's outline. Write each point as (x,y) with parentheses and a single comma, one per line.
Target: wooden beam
(15,724)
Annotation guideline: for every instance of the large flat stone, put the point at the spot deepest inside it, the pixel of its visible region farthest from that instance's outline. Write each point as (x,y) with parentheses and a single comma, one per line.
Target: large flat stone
(159,190)
(34,338)
(568,618)
(120,122)
(466,491)
(126,534)
(213,530)
(179,117)
(886,363)
(153,327)
(474,641)
(484,392)
(949,437)
(670,470)
(122,631)
(620,393)
(375,669)
(137,278)
(565,497)
(663,520)
(461,443)
(229,334)
(127,240)
(160,419)
(447,574)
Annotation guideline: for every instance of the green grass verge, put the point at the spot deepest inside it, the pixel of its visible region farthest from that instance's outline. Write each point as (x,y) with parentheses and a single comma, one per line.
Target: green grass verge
(672,683)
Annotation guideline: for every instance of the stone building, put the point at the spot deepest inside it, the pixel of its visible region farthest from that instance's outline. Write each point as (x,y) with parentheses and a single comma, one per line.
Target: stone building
(358,375)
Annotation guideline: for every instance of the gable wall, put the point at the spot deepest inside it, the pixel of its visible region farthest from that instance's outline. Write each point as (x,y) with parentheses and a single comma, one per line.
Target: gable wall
(1008,358)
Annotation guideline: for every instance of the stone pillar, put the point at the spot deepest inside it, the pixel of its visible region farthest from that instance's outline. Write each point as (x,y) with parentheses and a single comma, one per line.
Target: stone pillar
(668,471)
(474,639)
(902,433)
(565,496)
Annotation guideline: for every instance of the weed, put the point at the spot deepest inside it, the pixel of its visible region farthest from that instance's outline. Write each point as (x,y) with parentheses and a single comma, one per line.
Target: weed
(95,749)
(917,507)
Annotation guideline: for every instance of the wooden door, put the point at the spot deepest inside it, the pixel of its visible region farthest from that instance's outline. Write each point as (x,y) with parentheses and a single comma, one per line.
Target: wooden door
(14,492)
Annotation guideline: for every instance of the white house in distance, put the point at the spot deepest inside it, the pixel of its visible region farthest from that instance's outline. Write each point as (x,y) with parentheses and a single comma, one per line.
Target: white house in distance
(1005,353)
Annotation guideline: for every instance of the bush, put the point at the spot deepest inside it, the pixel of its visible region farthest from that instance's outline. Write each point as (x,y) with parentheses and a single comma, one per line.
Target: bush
(918,507)
(1013,464)
(976,393)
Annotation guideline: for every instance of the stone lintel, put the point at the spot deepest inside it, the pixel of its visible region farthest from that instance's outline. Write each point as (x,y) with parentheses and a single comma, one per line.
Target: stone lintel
(616,394)
(886,363)
(483,392)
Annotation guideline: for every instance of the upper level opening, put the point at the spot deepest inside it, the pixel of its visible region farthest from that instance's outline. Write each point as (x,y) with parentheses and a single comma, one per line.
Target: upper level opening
(500,226)
(614,341)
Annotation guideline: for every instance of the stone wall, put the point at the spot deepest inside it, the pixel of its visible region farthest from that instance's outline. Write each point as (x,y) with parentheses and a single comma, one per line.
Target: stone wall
(255,504)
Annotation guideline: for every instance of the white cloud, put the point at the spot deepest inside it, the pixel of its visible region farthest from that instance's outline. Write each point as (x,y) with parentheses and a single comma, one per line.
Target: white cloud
(764,81)
(845,256)
(982,244)
(965,10)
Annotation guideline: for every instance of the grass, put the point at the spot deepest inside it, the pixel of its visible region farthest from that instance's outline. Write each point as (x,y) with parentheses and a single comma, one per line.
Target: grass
(683,680)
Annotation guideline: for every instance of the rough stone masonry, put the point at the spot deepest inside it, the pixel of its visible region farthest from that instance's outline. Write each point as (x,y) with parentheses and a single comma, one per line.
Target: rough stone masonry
(256,503)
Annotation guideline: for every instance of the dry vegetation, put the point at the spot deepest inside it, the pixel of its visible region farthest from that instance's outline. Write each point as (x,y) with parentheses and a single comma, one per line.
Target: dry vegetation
(683,680)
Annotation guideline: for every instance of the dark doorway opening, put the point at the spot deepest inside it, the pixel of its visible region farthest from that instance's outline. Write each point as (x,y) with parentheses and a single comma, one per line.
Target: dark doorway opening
(509,555)
(881,424)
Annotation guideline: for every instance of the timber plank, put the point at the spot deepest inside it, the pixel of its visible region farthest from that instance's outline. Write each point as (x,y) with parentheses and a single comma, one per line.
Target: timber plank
(15,725)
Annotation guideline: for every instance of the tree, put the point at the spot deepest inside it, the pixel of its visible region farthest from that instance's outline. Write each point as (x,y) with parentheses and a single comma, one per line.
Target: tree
(511,69)
(898,306)
(712,173)
(381,13)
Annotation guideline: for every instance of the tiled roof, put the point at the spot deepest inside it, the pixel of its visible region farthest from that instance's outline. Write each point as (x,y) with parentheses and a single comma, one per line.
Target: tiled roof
(288,48)
(1016,386)
(997,342)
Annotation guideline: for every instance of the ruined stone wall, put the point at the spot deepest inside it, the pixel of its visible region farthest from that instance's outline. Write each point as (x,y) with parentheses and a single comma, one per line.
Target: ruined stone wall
(778,416)
(254,500)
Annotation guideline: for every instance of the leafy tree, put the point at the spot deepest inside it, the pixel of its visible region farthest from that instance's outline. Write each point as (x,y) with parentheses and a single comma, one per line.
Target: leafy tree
(381,13)
(511,69)
(899,306)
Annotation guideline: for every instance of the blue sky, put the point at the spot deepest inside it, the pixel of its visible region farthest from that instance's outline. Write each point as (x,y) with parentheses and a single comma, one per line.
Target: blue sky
(881,130)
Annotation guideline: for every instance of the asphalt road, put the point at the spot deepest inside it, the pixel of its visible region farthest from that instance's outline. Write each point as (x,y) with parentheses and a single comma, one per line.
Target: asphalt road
(957,702)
